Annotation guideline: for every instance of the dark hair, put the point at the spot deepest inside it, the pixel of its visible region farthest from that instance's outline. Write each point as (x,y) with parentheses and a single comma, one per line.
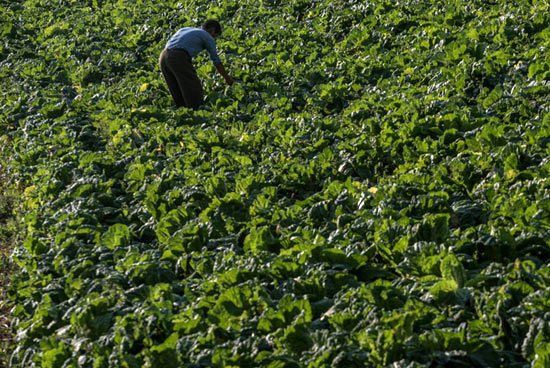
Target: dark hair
(214,24)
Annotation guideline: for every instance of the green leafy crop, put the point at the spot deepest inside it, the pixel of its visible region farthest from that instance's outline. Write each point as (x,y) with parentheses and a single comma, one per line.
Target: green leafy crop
(372,191)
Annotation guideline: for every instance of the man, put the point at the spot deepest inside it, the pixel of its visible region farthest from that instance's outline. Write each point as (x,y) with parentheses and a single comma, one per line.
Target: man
(176,62)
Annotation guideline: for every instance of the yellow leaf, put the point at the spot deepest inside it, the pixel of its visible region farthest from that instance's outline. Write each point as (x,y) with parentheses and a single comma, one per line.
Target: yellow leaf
(181,144)
(143,87)
(29,190)
(373,190)
(510,174)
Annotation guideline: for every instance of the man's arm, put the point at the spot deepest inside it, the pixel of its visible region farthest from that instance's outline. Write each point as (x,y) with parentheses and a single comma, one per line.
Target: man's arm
(224,74)
(210,45)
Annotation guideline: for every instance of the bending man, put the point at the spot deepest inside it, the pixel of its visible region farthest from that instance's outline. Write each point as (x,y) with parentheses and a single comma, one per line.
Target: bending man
(176,62)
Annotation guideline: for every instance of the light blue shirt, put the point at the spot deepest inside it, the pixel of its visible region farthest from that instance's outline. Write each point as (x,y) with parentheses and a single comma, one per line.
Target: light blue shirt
(194,40)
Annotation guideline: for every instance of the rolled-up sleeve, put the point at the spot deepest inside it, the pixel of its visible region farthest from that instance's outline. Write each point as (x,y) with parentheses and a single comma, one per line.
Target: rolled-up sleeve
(210,45)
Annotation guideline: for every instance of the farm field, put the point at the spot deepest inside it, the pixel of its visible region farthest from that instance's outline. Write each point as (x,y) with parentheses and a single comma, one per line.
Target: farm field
(374,190)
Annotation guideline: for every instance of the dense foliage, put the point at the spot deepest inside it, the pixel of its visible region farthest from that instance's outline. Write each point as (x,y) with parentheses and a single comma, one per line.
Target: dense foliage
(374,189)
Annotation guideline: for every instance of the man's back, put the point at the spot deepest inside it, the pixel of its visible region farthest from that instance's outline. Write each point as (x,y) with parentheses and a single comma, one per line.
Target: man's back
(194,40)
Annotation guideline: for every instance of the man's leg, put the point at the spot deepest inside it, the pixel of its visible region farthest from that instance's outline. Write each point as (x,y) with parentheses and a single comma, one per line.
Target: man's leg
(171,80)
(189,84)
(191,88)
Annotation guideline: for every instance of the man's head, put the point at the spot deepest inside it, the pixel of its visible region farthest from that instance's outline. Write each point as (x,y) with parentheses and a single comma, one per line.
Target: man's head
(213,27)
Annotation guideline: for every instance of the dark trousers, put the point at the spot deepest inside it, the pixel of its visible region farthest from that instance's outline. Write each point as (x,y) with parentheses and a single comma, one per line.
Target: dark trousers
(181,78)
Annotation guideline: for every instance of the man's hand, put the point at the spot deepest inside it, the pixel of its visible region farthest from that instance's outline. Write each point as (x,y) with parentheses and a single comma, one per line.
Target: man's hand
(224,74)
